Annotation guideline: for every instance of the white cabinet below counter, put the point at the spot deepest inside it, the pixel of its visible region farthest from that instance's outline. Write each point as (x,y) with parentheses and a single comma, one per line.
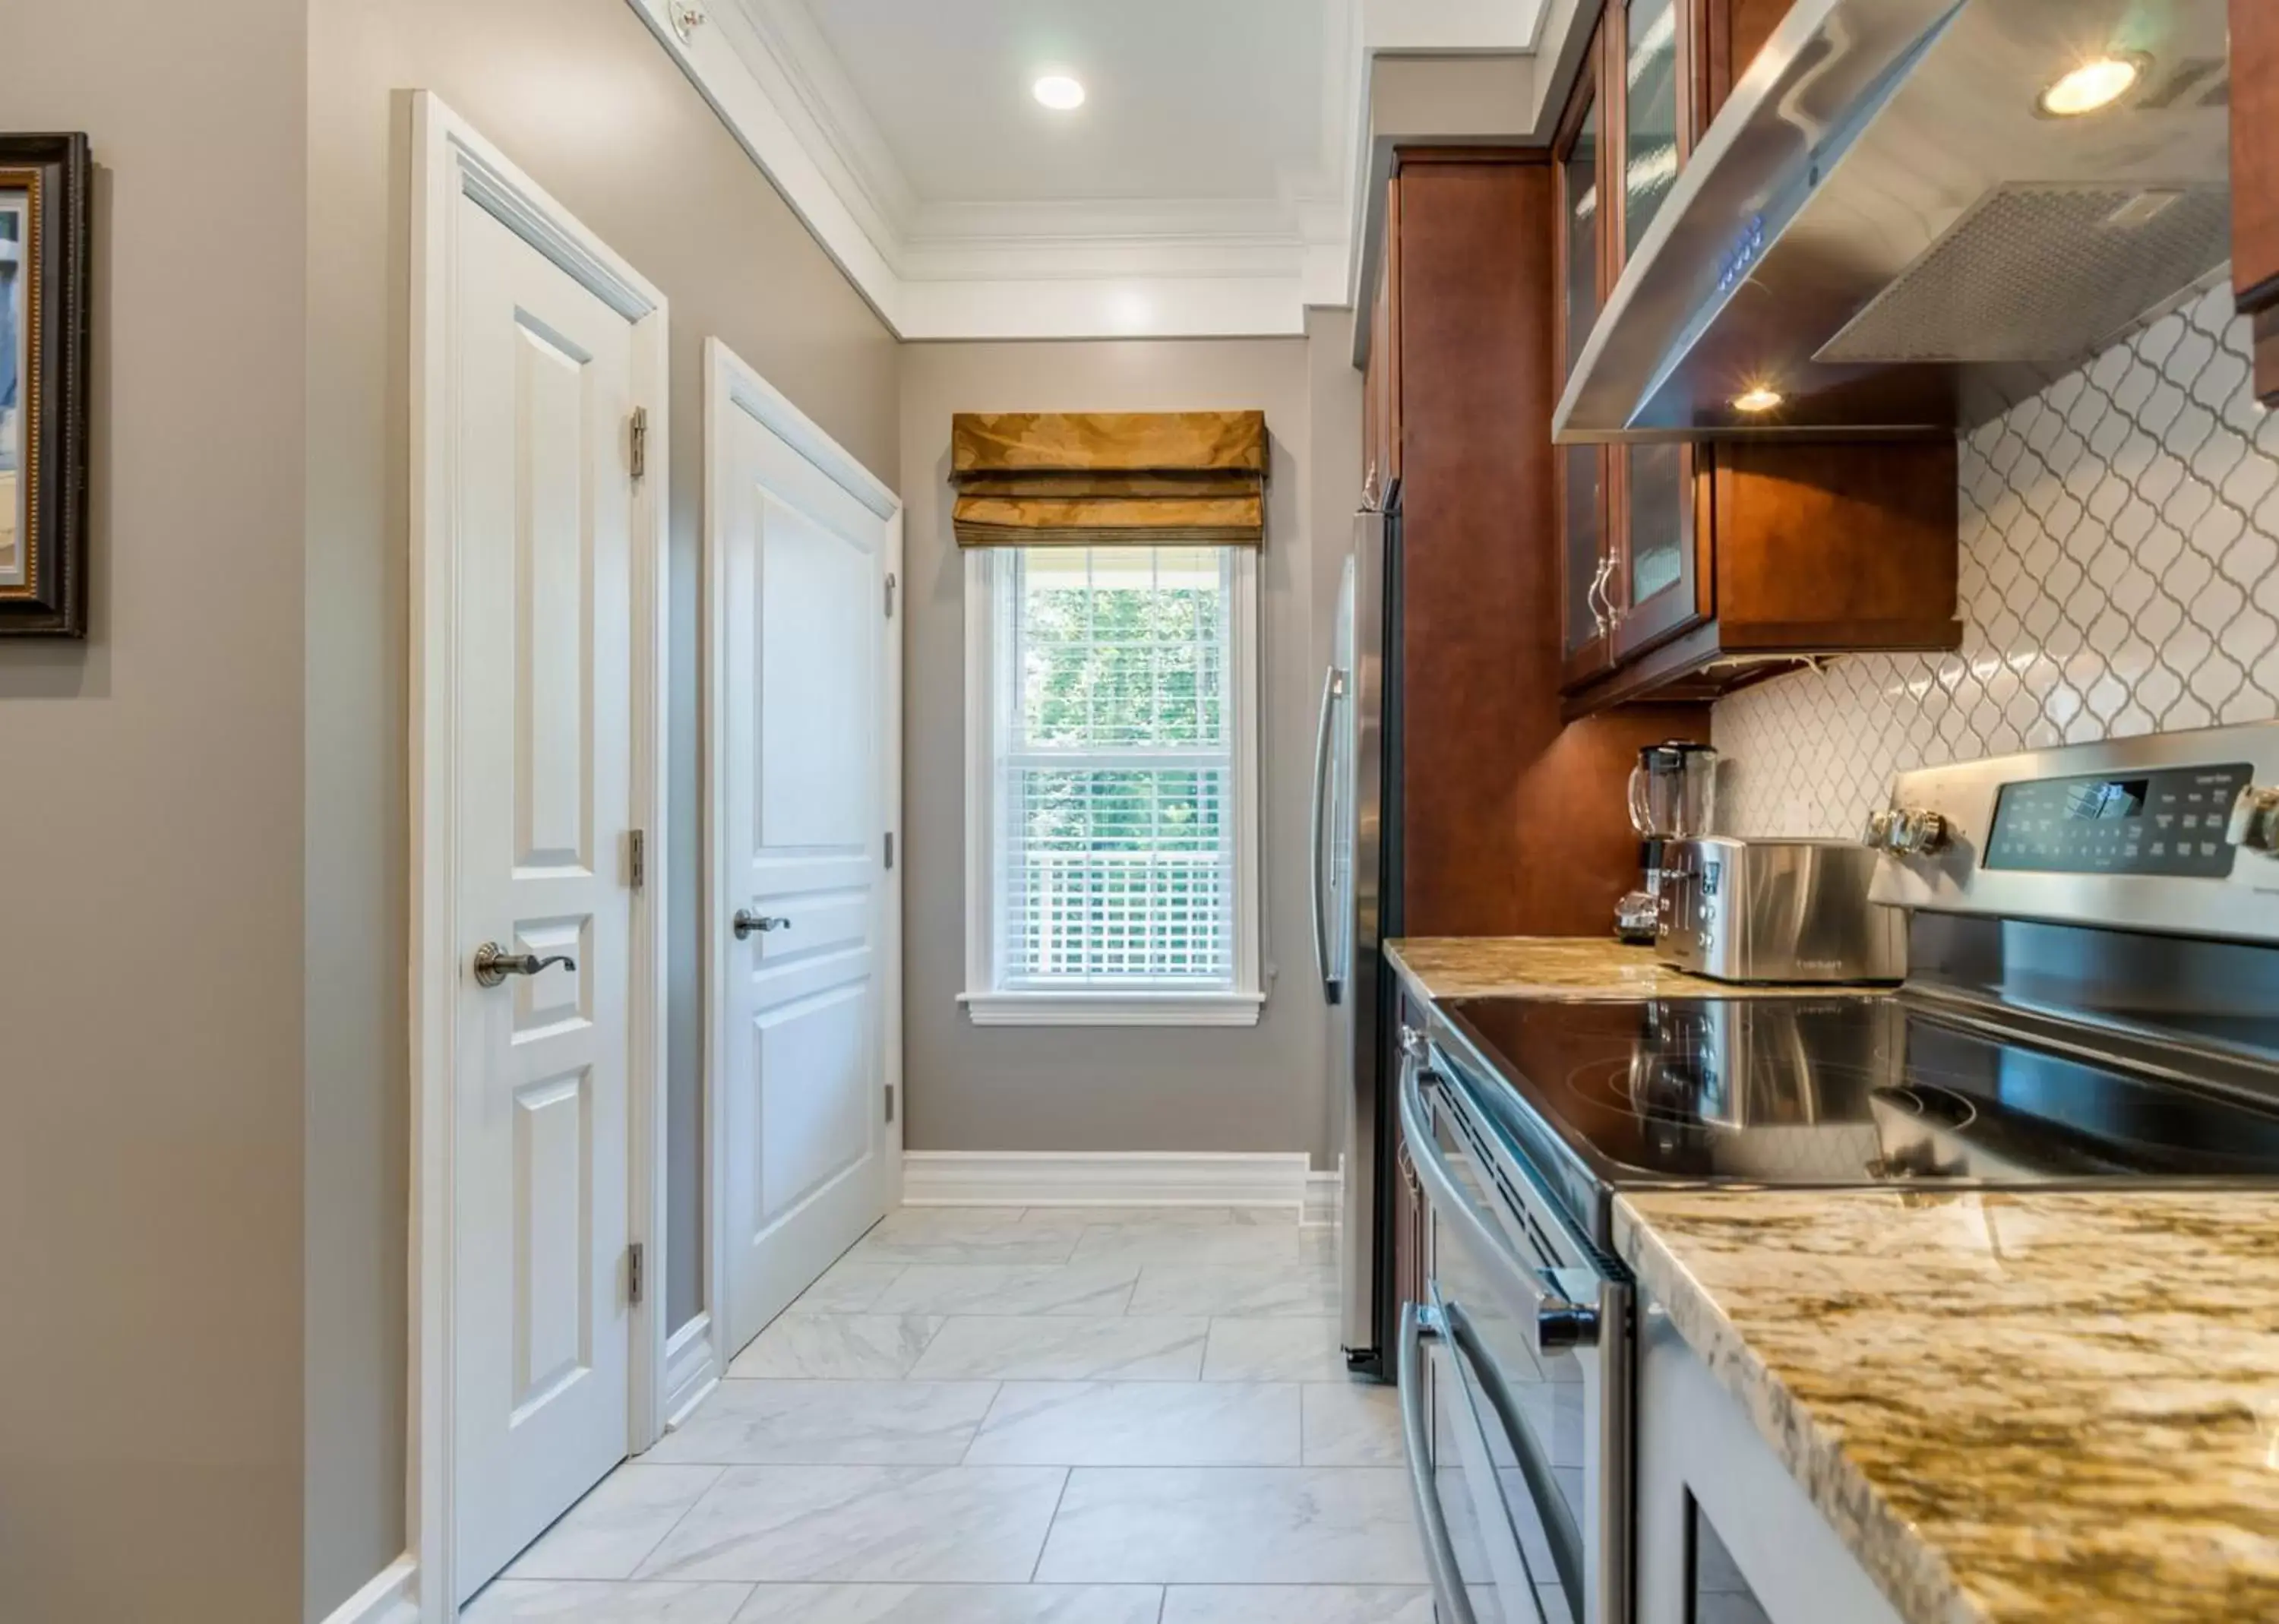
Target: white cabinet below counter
(1725,1534)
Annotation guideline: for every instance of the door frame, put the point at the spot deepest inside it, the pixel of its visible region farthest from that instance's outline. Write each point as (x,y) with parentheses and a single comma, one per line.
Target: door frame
(450,159)
(732,384)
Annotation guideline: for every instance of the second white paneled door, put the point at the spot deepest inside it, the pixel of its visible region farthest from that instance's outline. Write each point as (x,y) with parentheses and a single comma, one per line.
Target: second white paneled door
(800,767)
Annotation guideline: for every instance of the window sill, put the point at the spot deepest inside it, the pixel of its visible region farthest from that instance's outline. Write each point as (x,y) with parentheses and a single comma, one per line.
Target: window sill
(1112,1008)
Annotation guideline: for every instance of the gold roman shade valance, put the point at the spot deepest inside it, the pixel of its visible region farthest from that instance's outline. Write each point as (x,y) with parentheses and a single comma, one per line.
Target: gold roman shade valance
(1109,478)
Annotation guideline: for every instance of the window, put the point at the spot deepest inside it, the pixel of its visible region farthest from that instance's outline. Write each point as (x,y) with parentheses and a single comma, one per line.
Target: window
(1111,786)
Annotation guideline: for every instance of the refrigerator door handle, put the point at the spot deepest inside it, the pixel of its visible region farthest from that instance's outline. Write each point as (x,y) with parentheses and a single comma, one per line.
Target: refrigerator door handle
(1333,687)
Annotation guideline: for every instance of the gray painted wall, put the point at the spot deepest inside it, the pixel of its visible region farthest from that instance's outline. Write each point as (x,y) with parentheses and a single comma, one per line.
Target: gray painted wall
(1039,1088)
(215,779)
(578,94)
(150,1026)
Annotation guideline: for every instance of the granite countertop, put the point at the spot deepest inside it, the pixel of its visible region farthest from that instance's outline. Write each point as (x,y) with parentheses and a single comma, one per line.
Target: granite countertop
(1564,967)
(2015,1408)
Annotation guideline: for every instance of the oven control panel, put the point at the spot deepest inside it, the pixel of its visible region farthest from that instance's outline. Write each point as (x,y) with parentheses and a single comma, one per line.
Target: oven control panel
(2170,833)
(2170,822)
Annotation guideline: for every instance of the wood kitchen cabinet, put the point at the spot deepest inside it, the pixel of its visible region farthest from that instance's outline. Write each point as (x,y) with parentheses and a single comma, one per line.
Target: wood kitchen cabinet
(1513,824)
(1688,570)
(2255,180)
(1580,471)
(1726,36)
(1381,385)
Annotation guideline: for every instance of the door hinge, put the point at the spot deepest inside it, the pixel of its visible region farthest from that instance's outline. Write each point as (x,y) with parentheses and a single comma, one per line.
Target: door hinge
(639,443)
(890,848)
(890,594)
(637,858)
(633,1271)
(890,1102)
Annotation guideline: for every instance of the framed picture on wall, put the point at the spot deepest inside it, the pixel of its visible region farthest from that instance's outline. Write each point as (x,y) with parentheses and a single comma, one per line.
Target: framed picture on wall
(45,214)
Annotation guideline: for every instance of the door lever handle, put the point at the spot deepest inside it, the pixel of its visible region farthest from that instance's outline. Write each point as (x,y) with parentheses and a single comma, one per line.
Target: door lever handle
(494,964)
(746,922)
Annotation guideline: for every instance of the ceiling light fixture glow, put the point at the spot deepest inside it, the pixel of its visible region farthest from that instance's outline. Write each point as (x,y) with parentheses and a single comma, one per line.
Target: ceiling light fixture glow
(2093,85)
(1757,399)
(1058,92)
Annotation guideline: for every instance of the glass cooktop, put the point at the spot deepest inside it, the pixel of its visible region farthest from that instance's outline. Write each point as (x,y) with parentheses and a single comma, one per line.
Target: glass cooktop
(1838,1090)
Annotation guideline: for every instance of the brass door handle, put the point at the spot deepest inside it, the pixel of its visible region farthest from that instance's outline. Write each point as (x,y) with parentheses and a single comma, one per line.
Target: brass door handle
(494,964)
(746,922)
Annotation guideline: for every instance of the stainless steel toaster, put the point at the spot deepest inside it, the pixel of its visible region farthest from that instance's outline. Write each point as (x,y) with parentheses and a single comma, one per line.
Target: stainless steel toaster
(1776,910)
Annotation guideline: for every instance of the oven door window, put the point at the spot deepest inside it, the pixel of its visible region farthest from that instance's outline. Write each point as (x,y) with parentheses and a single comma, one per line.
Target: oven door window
(1534,1412)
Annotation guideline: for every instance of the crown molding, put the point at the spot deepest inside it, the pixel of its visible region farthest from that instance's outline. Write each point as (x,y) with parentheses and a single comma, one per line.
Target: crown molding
(1122,218)
(1073,269)
(1128,239)
(1452,27)
(780,39)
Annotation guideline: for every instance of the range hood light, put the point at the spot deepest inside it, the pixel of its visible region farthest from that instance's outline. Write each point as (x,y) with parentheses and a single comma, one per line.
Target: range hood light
(1757,400)
(2092,86)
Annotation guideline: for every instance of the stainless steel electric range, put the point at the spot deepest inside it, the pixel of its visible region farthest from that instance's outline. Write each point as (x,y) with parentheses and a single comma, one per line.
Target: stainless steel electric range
(2093,996)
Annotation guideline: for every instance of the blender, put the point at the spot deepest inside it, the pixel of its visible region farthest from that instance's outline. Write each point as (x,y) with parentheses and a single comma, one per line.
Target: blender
(1673,796)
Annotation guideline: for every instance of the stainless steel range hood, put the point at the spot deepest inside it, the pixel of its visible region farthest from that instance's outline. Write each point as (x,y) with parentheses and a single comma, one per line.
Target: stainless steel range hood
(1885,228)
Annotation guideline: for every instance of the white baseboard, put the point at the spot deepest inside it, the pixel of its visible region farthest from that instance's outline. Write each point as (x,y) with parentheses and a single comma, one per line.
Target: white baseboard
(1109,1178)
(1325,1195)
(692,1369)
(389,1596)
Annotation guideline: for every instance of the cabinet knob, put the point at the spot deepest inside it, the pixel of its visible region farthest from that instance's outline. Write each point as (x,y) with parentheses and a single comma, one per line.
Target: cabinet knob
(2255,821)
(1921,833)
(1907,831)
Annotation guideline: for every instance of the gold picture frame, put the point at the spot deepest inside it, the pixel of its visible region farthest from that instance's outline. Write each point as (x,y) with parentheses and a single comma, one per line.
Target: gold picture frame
(45,217)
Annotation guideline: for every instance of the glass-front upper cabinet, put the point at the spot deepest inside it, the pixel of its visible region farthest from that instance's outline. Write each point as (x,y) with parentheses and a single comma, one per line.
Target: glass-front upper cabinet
(1654,589)
(1581,476)
(1651,110)
(1578,194)
(1657,489)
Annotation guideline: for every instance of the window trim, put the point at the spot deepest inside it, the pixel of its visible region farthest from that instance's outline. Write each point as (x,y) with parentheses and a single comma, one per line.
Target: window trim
(986,1002)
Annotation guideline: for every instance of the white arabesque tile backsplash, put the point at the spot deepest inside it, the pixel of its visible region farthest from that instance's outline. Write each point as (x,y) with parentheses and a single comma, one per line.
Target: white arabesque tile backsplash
(2120,575)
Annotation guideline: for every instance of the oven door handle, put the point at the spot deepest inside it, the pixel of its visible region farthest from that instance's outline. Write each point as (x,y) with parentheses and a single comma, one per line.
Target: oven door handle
(1452,1603)
(1559,1527)
(1556,1321)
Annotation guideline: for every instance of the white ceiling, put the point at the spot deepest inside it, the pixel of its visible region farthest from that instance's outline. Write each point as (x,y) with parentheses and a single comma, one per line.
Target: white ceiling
(1208,187)
(1185,98)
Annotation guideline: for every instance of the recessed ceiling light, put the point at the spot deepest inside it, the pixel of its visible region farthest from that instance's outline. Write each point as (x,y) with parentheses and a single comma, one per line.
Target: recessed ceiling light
(2095,84)
(1756,400)
(1058,92)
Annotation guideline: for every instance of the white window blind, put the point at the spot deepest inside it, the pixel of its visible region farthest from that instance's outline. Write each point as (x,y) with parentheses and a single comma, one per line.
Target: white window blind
(1115,860)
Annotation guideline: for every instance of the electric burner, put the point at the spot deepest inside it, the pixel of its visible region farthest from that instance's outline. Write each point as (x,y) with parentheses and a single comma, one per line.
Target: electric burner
(1834,1092)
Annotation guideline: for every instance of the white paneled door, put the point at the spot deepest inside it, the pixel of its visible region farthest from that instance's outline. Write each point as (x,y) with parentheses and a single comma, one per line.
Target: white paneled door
(800,539)
(542,373)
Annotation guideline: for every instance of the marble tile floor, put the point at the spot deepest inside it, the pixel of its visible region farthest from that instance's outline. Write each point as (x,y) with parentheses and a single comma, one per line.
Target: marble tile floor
(999,1416)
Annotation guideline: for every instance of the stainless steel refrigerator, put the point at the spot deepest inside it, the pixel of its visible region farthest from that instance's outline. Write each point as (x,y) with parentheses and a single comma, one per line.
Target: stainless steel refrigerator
(1356,889)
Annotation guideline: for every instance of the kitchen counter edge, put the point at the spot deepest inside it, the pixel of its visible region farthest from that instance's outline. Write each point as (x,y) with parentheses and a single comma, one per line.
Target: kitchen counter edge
(1893,1348)
(1569,968)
